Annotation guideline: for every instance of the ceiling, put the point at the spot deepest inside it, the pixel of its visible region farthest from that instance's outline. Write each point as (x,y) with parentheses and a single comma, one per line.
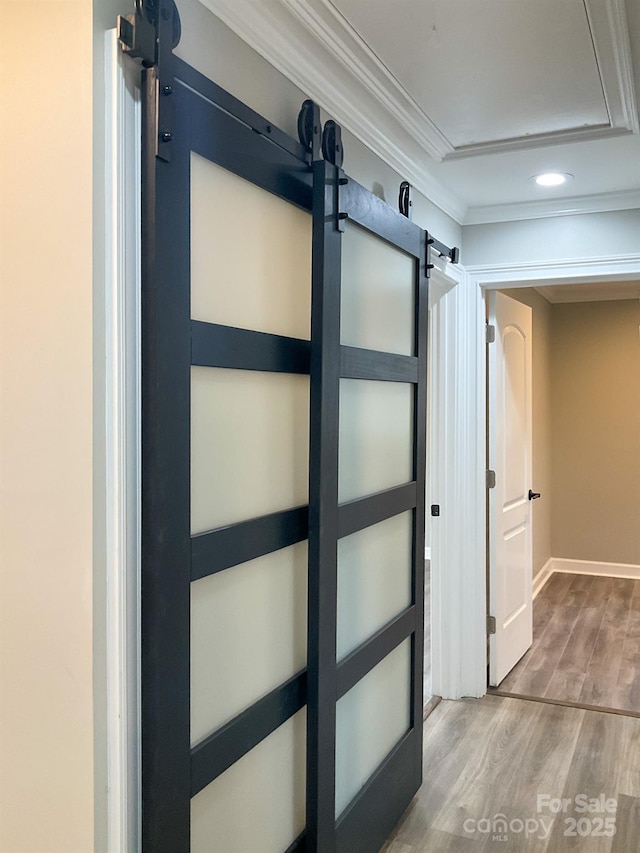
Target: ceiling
(520,77)
(592,292)
(468,99)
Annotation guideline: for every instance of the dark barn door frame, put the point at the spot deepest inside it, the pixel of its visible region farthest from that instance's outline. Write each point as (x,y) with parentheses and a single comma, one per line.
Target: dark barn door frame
(183,111)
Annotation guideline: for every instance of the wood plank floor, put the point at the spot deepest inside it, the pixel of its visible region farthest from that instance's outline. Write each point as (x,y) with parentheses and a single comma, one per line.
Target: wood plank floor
(497,756)
(586,643)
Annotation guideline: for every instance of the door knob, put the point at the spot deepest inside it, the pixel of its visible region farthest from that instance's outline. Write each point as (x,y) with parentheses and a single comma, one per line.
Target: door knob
(533,495)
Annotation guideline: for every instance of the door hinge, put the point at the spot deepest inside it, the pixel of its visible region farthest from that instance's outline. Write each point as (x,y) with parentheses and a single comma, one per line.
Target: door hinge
(491,478)
(491,333)
(491,625)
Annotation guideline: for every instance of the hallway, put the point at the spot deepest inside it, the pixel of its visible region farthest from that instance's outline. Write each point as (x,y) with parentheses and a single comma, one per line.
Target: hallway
(586,644)
(510,758)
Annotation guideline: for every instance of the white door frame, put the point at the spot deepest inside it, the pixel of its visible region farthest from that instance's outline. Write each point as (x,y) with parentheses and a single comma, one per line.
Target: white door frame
(122,432)
(459,623)
(458,656)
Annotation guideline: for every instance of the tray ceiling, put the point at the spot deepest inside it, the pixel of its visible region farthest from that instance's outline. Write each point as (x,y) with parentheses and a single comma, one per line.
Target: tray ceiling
(467,99)
(527,68)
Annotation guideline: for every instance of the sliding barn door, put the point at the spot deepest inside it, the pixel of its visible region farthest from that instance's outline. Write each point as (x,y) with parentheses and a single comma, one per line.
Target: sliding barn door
(283,459)
(366,539)
(226,313)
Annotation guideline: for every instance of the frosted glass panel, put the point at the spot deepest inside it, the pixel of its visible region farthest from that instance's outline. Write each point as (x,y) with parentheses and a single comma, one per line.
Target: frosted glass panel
(370,719)
(377,294)
(374,579)
(258,804)
(376,437)
(249,444)
(248,635)
(250,254)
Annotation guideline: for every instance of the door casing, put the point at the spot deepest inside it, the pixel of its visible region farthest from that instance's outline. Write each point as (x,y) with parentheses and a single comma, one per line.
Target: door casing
(605,268)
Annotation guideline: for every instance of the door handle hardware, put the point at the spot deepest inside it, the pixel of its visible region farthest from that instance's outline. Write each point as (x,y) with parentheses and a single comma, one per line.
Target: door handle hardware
(533,496)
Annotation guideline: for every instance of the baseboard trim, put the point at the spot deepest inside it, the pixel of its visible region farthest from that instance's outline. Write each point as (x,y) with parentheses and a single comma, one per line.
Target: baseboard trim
(542,577)
(431,705)
(602,709)
(591,567)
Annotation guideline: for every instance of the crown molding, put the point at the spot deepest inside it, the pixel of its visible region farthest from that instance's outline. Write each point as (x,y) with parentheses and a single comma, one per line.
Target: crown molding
(330,28)
(612,46)
(598,203)
(581,270)
(538,140)
(610,34)
(607,23)
(285,41)
(615,291)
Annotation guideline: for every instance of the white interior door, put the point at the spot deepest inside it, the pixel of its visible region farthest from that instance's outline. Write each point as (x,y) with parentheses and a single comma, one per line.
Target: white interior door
(510,442)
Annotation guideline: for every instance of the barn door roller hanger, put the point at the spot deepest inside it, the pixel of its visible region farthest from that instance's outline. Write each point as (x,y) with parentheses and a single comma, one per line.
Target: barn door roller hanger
(150,34)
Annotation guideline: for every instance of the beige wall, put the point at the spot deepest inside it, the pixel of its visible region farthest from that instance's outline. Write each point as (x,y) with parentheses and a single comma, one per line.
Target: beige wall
(46,705)
(595,357)
(541,382)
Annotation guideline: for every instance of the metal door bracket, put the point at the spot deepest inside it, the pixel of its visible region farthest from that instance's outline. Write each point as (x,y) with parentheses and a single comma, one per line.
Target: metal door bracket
(137,35)
(451,254)
(491,333)
(428,266)
(150,34)
(333,152)
(491,625)
(491,479)
(138,32)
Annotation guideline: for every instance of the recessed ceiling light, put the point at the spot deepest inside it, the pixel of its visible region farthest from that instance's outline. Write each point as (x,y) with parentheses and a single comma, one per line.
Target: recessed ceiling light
(552,179)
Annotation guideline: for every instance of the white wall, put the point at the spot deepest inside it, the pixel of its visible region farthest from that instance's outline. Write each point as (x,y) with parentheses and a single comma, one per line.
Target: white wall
(557,237)
(46,711)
